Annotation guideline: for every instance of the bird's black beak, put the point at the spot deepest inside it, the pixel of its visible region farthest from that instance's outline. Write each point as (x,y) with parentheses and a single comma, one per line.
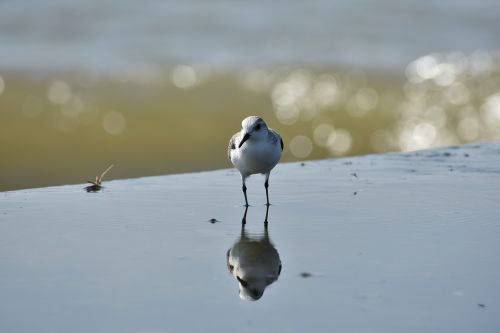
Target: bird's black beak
(243,283)
(245,138)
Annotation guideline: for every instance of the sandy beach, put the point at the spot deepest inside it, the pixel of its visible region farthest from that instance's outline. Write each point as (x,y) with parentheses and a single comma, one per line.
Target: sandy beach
(399,242)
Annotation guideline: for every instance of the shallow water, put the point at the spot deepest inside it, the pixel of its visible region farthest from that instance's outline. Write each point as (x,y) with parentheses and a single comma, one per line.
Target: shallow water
(63,128)
(384,243)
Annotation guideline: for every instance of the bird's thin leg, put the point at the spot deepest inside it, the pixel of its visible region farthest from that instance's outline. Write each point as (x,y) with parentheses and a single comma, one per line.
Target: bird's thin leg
(245,190)
(265,220)
(244,220)
(266,185)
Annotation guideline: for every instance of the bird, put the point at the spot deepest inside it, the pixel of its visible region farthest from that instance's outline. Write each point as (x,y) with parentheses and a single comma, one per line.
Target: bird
(254,261)
(255,149)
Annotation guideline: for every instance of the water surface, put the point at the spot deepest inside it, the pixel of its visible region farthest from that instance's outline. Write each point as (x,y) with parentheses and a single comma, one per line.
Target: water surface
(381,35)
(382,243)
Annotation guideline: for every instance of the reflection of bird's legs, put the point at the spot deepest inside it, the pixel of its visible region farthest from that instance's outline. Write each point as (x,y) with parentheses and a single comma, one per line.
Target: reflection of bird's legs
(243,224)
(266,185)
(244,219)
(242,233)
(265,219)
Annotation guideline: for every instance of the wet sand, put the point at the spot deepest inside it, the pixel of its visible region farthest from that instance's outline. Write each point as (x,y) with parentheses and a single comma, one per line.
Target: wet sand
(402,242)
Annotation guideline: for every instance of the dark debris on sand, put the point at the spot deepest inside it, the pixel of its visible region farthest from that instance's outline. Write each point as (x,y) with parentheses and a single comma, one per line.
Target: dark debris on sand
(97,183)
(93,188)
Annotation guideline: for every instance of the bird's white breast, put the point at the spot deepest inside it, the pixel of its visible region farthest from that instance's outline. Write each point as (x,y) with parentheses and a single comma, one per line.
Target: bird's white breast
(256,156)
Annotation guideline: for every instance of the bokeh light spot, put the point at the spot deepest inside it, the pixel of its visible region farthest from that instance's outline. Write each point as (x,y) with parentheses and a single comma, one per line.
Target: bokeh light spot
(325,90)
(490,113)
(321,134)
(184,77)
(59,92)
(301,146)
(339,142)
(362,102)
(2,85)
(114,122)
(427,67)
(287,115)
(457,94)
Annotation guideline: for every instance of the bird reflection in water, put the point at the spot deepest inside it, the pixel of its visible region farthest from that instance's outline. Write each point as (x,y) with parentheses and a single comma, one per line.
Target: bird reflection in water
(253,261)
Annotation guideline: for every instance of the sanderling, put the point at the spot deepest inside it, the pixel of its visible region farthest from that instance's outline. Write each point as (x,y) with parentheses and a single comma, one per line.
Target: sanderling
(255,149)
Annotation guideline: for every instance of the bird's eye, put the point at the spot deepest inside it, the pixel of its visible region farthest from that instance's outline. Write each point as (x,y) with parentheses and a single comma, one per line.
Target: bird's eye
(257,127)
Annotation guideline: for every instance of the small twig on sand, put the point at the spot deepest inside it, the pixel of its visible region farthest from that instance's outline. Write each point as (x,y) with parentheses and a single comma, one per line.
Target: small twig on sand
(97,184)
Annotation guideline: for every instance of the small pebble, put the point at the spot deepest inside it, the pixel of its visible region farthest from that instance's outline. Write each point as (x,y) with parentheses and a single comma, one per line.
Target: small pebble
(213,221)
(354,174)
(355,193)
(305,275)
(481,305)
(302,164)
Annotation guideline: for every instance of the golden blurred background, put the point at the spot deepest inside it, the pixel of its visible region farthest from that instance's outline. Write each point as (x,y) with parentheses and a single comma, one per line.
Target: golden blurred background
(82,88)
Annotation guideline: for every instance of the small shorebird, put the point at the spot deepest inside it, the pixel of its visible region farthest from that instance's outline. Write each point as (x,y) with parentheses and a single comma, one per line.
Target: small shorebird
(255,149)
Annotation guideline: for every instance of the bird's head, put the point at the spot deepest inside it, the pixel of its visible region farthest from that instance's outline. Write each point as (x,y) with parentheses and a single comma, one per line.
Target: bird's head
(251,289)
(253,127)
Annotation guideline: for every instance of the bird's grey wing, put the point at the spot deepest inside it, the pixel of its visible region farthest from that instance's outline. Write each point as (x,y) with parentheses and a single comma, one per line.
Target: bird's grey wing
(231,145)
(277,136)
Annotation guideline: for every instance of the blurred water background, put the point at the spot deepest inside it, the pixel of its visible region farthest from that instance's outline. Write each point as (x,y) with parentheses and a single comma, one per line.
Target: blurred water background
(158,87)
